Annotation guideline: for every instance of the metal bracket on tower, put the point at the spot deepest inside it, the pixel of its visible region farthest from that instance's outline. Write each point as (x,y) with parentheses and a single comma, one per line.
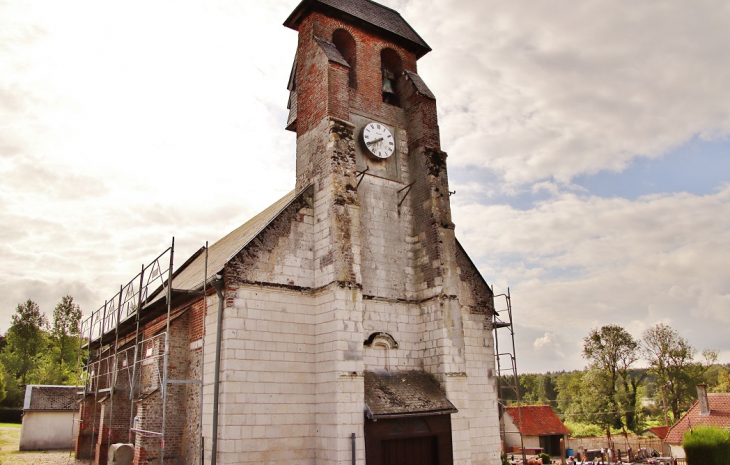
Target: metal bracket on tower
(361,175)
(407,192)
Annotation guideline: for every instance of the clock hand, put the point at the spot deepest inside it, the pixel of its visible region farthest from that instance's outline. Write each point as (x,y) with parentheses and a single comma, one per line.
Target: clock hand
(374,141)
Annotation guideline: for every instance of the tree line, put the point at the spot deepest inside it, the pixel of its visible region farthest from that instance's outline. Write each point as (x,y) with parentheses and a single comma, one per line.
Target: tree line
(34,351)
(613,393)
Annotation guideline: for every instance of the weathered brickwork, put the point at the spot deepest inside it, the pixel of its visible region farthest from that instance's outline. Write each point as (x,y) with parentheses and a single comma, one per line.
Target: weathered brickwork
(89,420)
(282,254)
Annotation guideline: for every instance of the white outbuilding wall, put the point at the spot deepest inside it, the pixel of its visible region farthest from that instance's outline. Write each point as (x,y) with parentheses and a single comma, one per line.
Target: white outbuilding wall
(48,430)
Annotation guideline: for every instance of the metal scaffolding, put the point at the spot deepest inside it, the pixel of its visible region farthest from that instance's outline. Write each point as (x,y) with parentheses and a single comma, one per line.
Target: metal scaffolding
(120,359)
(507,378)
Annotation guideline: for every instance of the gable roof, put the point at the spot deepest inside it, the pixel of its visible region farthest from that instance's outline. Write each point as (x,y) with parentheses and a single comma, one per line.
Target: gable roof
(539,420)
(719,416)
(367,11)
(49,398)
(190,277)
(658,431)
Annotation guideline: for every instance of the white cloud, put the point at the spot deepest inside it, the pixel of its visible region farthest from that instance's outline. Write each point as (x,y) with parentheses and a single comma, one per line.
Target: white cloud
(124,125)
(575,263)
(556,89)
(549,345)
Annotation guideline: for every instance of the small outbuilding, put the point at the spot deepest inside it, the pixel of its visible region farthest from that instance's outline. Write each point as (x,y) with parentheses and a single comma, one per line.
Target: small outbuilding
(541,429)
(48,418)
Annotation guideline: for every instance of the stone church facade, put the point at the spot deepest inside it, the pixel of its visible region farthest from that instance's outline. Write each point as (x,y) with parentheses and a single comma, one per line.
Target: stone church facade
(350,324)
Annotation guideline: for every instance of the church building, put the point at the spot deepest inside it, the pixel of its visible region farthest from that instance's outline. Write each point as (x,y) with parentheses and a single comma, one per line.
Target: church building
(344,324)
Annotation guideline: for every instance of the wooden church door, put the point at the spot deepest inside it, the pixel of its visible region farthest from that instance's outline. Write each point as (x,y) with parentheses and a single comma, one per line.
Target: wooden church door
(409,441)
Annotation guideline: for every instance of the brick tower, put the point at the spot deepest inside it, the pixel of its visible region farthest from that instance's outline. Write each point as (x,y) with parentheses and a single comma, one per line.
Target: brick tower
(384,250)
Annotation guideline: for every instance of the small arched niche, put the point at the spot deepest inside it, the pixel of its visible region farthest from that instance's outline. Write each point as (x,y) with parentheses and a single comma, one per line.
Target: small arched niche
(392,68)
(345,44)
(378,347)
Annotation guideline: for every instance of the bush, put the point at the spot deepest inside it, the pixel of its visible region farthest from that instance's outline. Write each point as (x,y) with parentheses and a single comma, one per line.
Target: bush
(11,415)
(705,445)
(546,458)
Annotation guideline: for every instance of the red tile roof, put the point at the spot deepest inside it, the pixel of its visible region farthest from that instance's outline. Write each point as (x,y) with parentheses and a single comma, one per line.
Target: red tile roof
(659,431)
(539,420)
(719,416)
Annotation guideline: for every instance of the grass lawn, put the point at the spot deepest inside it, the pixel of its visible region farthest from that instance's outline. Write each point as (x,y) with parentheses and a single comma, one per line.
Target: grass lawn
(9,440)
(9,453)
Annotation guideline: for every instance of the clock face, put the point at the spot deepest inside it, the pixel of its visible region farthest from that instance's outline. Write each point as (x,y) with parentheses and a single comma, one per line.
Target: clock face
(378,140)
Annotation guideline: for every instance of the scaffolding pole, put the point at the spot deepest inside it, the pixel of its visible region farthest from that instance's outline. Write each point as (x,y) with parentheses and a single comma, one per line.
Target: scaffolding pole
(103,373)
(96,384)
(201,444)
(167,354)
(113,380)
(503,319)
(136,353)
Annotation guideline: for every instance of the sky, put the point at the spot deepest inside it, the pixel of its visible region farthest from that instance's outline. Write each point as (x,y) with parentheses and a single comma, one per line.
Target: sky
(588,147)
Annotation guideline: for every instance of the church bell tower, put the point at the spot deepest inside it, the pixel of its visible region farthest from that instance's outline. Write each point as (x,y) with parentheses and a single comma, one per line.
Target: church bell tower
(401,303)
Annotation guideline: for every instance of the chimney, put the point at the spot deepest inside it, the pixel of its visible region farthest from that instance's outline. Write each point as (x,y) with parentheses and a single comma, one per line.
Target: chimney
(702,398)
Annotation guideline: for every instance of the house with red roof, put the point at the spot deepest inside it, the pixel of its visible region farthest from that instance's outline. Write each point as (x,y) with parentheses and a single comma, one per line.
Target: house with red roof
(656,431)
(659,432)
(709,410)
(540,426)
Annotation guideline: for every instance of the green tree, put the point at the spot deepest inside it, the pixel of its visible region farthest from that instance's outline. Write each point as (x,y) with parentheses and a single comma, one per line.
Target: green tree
(723,382)
(537,388)
(3,392)
(60,364)
(612,351)
(26,343)
(672,361)
(530,388)
(569,392)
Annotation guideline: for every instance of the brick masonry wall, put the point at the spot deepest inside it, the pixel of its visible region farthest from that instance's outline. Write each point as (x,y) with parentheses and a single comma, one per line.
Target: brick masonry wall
(403,321)
(268,384)
(150,409)
(88,427)
(387,250)
(282,254)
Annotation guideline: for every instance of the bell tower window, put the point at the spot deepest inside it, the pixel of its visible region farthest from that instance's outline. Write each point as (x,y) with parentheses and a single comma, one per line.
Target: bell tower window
(345,44)
(391,68)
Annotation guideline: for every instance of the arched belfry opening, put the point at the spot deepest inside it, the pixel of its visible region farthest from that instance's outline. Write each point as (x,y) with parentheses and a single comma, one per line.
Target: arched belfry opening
(391,67)
(346,46)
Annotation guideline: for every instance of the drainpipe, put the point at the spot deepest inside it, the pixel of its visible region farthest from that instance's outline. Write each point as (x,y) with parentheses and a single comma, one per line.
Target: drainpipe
(218,286)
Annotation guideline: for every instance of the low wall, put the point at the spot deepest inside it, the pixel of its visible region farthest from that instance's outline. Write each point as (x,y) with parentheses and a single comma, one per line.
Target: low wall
(619,441)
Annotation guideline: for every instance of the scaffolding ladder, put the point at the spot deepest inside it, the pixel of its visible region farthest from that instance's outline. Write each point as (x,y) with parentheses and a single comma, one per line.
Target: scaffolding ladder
(507,378)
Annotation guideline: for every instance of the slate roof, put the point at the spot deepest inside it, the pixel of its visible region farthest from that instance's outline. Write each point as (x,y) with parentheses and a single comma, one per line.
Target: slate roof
(539,420)
(372,13)
(421,86)
(331,51)
(49,398)
(719,416)
(393,395)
